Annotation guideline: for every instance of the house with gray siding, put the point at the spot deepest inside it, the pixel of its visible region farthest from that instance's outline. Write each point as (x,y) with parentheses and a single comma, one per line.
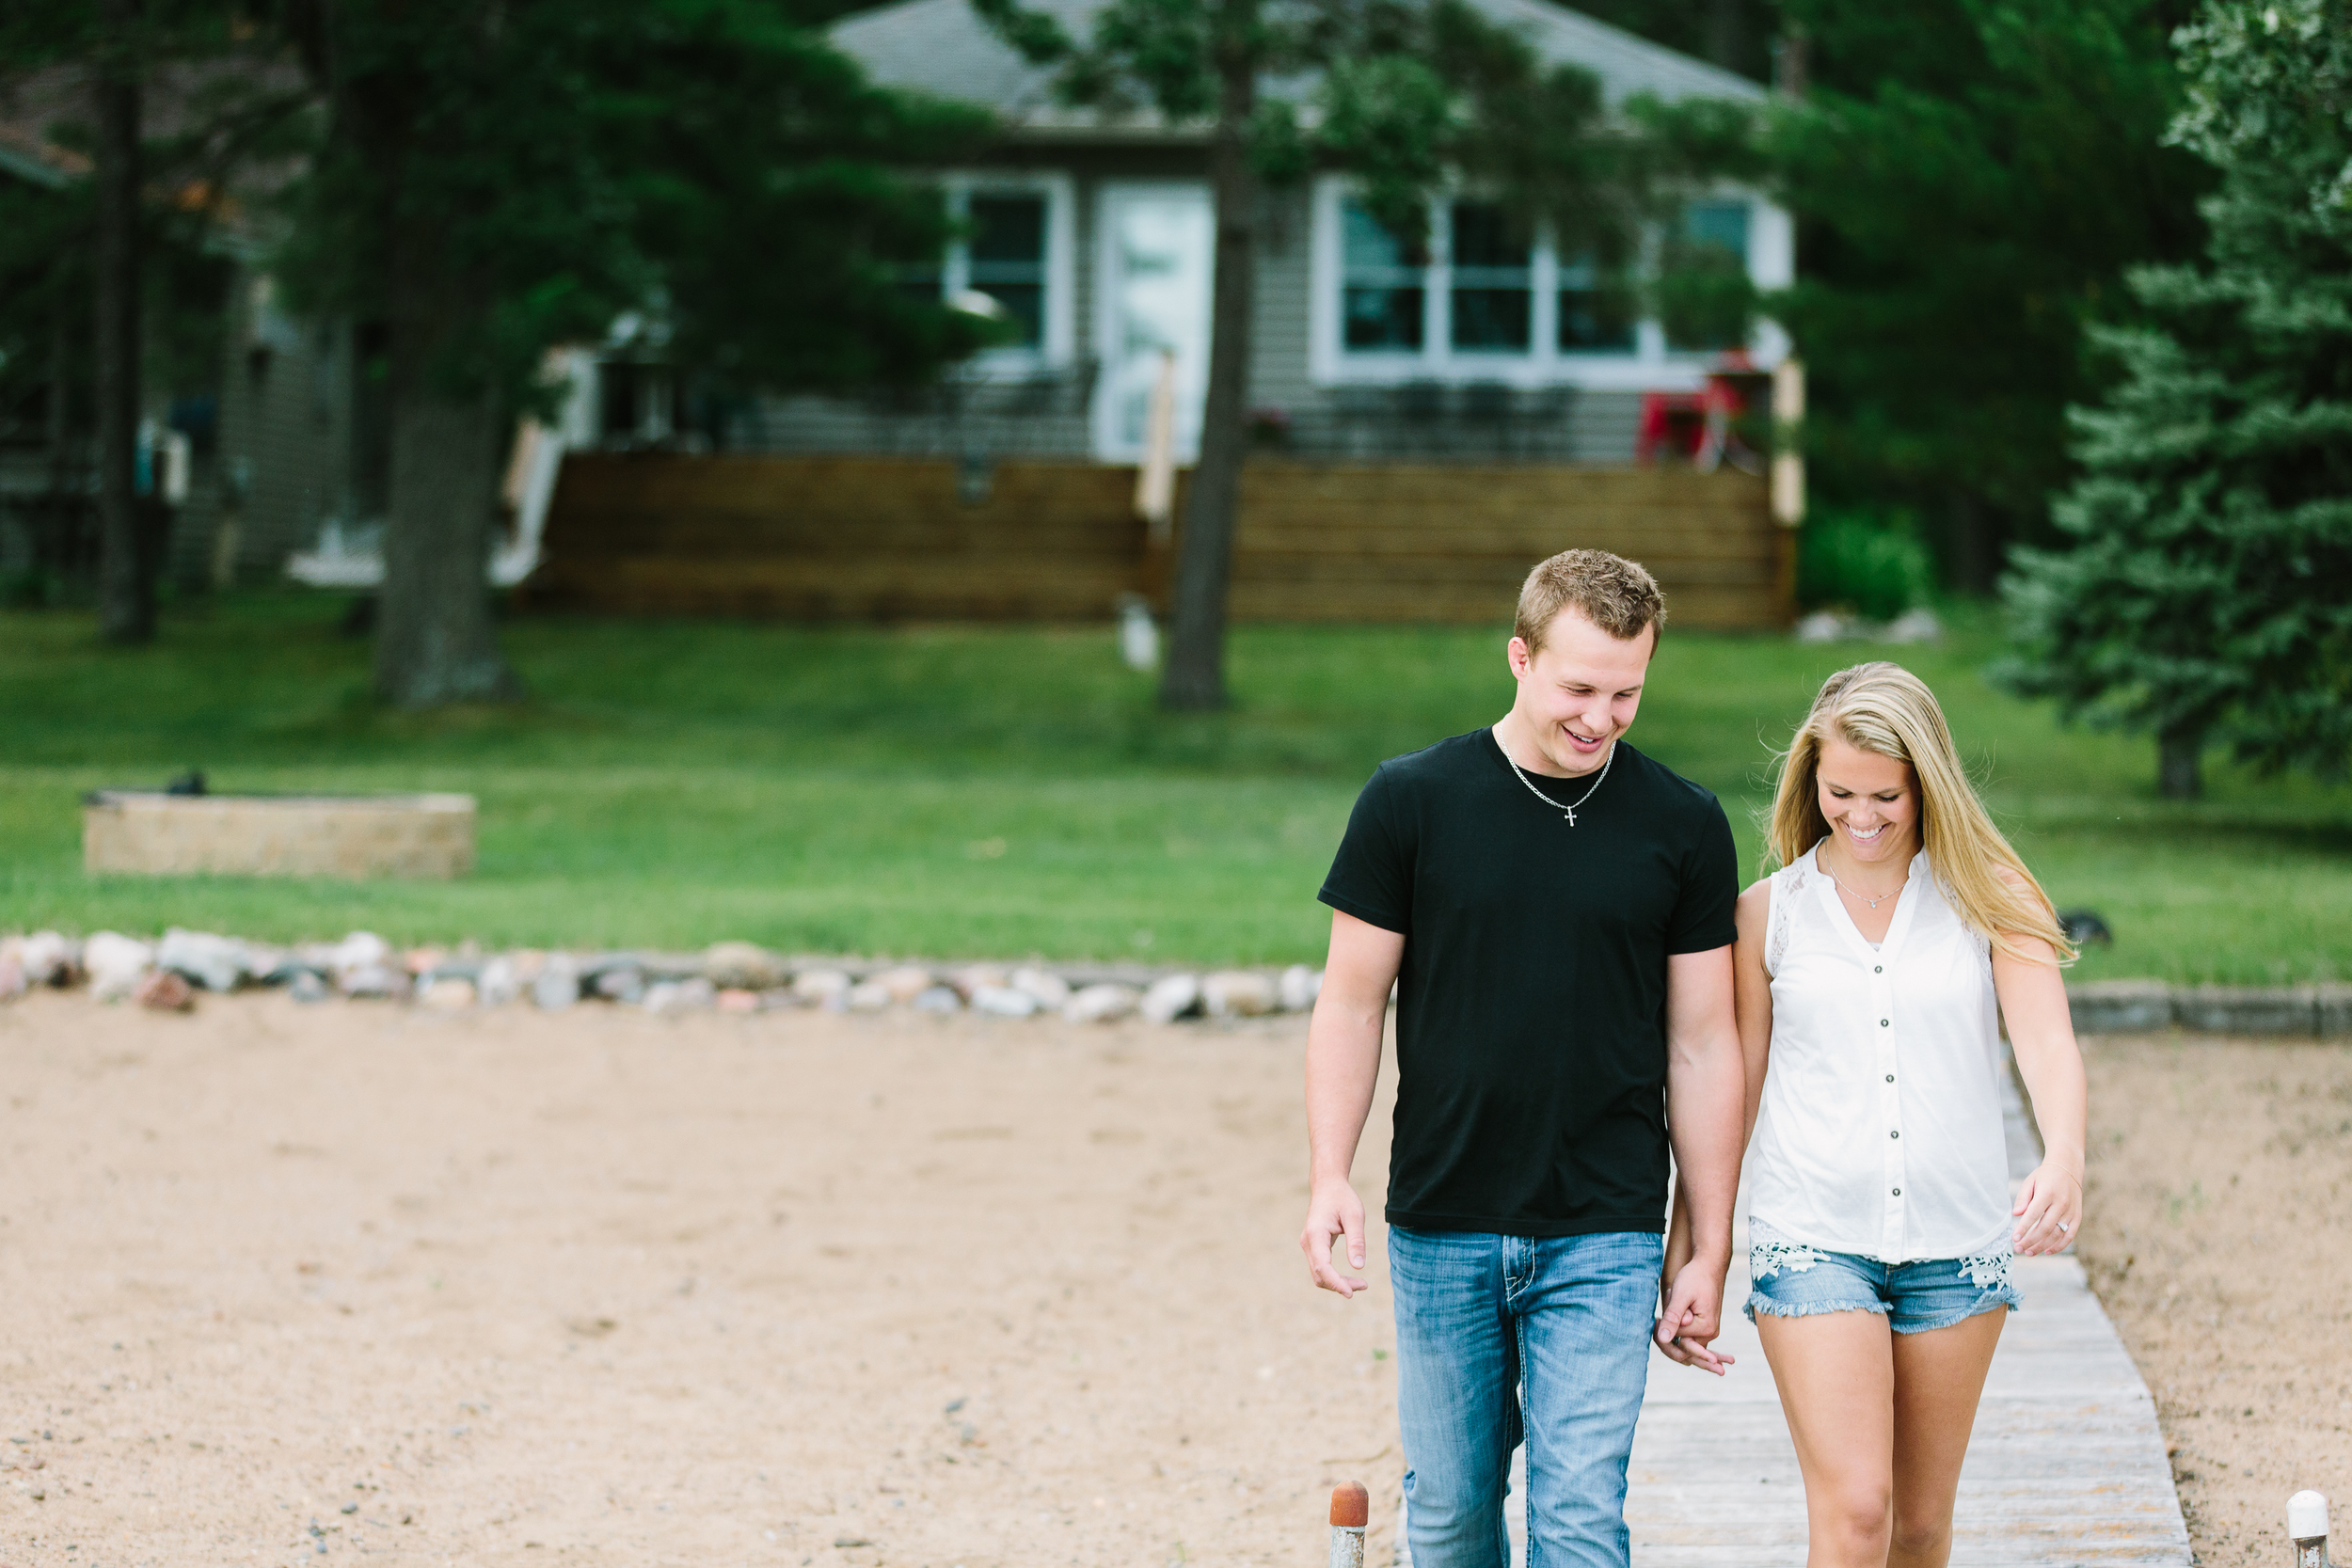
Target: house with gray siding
(1094,233)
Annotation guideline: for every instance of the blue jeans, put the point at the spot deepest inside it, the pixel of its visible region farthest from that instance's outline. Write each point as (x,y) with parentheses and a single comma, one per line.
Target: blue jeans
(1505,1339)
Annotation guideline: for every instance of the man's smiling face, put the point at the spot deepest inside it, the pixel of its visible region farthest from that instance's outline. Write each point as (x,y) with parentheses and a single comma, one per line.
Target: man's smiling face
(1579,691)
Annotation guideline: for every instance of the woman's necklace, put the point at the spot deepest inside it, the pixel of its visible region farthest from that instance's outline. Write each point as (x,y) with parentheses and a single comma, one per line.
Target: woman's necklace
(1568,811)
(1864,897)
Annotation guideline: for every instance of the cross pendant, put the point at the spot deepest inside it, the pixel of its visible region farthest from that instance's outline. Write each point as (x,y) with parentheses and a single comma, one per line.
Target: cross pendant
(1571,816)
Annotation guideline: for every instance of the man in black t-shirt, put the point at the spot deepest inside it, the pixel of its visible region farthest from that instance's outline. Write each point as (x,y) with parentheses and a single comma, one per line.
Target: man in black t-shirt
(1554,909)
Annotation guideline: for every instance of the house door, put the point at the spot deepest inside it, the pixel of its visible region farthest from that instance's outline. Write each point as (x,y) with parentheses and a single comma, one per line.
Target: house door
(1154,249)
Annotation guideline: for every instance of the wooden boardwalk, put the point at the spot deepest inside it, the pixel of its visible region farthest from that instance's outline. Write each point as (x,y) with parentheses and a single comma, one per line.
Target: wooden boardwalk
(2066,1468)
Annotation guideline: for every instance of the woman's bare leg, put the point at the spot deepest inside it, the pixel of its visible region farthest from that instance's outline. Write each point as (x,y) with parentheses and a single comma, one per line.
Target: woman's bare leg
(1938,1378)
(1836,1372)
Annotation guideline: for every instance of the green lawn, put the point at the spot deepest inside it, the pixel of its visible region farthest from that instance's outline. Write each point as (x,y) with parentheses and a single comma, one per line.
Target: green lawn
(956,791)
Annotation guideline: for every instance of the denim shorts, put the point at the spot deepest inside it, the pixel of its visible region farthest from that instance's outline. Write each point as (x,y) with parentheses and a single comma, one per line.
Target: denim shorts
(1788,1280)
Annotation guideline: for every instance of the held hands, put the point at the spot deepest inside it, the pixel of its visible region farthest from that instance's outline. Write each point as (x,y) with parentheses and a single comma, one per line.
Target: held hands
(1693,1315)
(2049,1208)
(1334,1210)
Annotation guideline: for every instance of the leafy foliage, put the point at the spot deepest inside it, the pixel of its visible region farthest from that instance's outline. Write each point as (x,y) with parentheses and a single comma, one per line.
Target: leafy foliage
(1868,561)
(1972,178)
(2208,591)
(552,164)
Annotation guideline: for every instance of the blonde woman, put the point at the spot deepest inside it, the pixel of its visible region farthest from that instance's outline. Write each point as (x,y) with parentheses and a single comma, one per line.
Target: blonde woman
(1873,971)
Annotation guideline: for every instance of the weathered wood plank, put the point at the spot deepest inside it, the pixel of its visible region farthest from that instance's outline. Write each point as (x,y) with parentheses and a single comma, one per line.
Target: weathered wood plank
(2066,1466)
(878,537)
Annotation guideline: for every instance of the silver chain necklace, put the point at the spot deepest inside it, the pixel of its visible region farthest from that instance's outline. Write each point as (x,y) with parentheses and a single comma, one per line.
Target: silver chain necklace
(1874,903)
(1568,811)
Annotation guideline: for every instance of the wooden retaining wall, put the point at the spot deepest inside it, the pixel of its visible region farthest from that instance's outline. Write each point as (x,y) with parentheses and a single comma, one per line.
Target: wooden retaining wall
(866,538)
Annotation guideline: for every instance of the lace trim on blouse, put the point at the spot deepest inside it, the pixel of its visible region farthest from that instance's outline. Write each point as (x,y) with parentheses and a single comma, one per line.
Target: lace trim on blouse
(1787,886)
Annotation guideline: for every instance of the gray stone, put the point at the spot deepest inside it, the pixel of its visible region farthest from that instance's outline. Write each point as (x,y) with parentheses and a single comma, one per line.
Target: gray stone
(379,982)
(1239,994)
(819,988)
(115,963)
(358,950)
(620,983)
(937,999)
(1003,1002)
(49,959)
(1050,990)
(557,985)
(669,998)
(498,983)
(307,985)
(1300,985)
(1177,996)
(868,996)
(2248,1010)
(742,966)
(973,977)
(2333,1003)
(1101,1004)
(2121,1007)
(905,983)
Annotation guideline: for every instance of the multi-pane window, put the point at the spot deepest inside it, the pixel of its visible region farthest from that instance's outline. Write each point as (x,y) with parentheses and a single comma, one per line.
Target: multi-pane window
(1720,225)
(1006,259)
(1493,298)
(1597,315)
(1493,281)
(1711,259)
(1381,285)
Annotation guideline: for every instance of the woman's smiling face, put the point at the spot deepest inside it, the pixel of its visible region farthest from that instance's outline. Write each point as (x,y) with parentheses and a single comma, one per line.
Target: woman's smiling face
(1871,802)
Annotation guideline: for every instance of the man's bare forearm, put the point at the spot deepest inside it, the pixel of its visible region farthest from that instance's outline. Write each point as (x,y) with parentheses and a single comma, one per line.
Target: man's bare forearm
(1343,1067)
(1706,1094)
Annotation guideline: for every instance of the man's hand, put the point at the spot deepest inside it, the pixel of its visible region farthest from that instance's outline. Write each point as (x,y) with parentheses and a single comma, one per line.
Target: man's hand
(1332,1212)
(1694,1316)
(1342,1064)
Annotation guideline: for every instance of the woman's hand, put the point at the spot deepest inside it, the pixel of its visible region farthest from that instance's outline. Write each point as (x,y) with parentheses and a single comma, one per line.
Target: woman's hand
(2049,1208)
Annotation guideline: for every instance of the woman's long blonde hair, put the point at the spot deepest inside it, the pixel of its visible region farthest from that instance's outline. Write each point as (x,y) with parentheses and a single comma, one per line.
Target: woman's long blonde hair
(1887,710)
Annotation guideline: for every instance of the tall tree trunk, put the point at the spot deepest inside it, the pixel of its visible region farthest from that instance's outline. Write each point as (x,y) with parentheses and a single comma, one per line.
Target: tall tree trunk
(2180,773)
(1196,658)
(126,583)
(1975,546)
(435,641)
(1724,33)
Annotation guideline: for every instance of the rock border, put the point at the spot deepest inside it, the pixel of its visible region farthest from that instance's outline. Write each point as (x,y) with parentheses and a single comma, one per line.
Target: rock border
(169,973)
(2151,1006)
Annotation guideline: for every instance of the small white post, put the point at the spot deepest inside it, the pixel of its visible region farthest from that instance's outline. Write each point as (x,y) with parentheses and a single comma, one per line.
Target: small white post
(1351,1510)
(2307,1527)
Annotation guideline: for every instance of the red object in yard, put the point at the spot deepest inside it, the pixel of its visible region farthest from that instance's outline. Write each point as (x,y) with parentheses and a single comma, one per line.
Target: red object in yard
(1693,426)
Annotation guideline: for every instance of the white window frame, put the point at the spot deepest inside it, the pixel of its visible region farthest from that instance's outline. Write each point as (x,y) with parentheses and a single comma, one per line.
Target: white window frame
(1650,367)
(1058,345)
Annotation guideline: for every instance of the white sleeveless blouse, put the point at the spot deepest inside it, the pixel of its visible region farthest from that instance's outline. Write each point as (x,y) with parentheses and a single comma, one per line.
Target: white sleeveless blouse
(1880,1130)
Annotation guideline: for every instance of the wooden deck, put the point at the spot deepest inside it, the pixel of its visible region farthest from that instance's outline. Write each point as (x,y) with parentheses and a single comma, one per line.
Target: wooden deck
(2066,1468)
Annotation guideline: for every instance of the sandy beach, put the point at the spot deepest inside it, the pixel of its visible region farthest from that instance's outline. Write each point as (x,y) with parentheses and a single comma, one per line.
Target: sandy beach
(2218,1235)
(804,1288)
(799,1288)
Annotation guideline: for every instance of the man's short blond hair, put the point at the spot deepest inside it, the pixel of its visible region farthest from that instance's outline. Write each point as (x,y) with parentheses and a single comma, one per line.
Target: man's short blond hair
(1614,594)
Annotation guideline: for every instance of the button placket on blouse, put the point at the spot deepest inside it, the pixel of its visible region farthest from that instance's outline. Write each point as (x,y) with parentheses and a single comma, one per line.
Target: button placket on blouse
(1890,1103)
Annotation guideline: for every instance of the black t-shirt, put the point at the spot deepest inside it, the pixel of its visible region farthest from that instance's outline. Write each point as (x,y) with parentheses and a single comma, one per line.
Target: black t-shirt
(1530,1023)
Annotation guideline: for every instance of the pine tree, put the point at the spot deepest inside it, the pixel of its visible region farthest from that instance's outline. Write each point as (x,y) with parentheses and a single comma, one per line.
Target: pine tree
(2207,596)
(493,181)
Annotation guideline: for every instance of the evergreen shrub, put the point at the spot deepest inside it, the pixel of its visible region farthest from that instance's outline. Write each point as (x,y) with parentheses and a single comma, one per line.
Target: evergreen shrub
(1871,562)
